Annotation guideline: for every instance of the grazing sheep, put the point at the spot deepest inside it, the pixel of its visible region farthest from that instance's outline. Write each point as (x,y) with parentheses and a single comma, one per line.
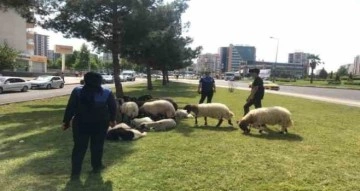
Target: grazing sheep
(182,114)
(161,125)
(158,109)
(267,116)
(130,109)
(212,110)
(123,132)
(138,121)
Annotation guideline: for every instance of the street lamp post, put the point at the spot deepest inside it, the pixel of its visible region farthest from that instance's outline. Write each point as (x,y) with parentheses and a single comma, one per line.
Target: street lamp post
(277,49)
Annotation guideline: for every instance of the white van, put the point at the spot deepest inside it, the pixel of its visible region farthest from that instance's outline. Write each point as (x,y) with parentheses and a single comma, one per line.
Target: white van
(128,75)
(229,76)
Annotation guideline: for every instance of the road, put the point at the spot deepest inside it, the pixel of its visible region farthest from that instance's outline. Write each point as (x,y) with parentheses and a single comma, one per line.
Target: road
(340,96)
(12,97)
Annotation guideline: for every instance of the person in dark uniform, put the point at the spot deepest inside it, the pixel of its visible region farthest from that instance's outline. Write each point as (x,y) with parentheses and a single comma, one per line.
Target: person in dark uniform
(257,91)
(92,109)
(206,88)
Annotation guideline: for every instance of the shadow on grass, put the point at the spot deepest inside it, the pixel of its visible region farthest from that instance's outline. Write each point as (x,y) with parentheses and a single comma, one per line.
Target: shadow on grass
(47,106)
(275,135)
(43,150)
(214,128)
(93,182)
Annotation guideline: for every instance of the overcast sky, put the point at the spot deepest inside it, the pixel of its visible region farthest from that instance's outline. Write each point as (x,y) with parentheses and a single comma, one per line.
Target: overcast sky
(329,28)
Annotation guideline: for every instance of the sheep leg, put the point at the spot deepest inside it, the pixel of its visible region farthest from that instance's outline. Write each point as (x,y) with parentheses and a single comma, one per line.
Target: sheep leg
(283,130)
(219,123)
(205,118)
(196,121)
(230,123)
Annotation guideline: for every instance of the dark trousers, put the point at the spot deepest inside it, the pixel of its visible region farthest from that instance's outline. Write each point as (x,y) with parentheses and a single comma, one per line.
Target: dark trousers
(81,141)
(207,95)
(255,102)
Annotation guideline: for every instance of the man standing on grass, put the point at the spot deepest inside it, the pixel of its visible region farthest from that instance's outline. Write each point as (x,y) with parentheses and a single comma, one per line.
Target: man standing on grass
(257,91)
(92,110)
(206,88)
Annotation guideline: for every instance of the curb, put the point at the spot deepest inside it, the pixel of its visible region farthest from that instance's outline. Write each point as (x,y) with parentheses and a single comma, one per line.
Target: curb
(341,88)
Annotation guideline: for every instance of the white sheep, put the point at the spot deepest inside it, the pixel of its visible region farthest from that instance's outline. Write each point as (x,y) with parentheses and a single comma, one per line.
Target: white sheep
(158,108)
(267,116)
(161,125)
(212,110)
(182,114)
(138,121)
(124,132)
(129,109)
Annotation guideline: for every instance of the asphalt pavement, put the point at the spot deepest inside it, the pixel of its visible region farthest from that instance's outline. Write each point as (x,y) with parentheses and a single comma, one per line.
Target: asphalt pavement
(339,96)
(70,84)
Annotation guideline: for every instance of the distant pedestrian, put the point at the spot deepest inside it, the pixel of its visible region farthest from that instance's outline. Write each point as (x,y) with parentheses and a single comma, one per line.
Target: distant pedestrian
(206,88)
(62,76)
(257,91)
(92,109)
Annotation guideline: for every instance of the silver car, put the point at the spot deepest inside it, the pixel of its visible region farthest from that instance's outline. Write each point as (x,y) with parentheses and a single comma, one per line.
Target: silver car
(47,82)
(13,84)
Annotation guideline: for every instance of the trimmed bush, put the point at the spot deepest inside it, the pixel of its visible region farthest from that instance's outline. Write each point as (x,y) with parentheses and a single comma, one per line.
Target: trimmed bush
(334,82)
(285,80)
(352,83)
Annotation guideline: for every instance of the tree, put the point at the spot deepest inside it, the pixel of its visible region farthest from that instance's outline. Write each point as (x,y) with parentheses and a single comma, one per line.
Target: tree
(342,71)
(8,56)
(95,62)
(314,61)
(350,77)
(163,48)
(323,74)
(331,74)
(100,22)
(83,58)
(70,59)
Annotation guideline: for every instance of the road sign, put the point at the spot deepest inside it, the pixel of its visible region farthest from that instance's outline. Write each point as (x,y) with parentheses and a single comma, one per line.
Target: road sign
(62,49)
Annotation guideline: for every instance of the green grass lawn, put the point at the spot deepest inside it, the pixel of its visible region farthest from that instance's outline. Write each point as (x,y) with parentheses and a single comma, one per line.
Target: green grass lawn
(321,152)
(318,84)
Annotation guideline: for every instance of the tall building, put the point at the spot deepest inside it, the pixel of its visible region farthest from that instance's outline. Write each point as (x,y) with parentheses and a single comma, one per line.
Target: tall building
(41,44)
(208,62)
(356,67)
(238,55)
(18,34)
(223,58)
(300,58)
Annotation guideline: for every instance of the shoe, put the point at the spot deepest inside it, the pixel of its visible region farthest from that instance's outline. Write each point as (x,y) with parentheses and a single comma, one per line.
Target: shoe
(75,177)
(99,169)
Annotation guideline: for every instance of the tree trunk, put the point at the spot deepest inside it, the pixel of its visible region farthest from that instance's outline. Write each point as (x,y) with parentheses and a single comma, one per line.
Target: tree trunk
(115,50)
(312,76)
(148,73)
(116,67)
(167,76)
(164,78)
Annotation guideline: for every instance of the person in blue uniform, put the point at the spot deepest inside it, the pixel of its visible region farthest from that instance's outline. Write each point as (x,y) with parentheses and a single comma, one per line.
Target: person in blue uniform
(92,110)
(206,88)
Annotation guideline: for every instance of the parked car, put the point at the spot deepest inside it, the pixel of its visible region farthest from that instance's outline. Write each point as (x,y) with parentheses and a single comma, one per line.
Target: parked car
(13,84)
(268,85)
(107,78)
(47,82)
(129,75)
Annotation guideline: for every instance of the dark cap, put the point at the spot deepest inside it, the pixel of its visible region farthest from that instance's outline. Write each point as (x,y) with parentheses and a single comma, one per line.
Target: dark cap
(254,70)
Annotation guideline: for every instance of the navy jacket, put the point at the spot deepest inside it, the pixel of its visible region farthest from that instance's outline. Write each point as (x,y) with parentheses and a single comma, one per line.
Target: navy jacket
(104,108)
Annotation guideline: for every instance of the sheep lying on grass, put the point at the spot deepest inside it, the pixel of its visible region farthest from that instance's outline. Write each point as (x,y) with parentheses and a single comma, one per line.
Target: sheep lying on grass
(266,116)
(138,121)
(182,114)
(123,132)
(161,125)
(212,110)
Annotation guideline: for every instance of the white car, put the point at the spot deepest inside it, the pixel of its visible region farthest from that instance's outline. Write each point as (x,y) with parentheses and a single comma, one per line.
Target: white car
(13,84)
(107,78)
(47,82)
(129,75)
